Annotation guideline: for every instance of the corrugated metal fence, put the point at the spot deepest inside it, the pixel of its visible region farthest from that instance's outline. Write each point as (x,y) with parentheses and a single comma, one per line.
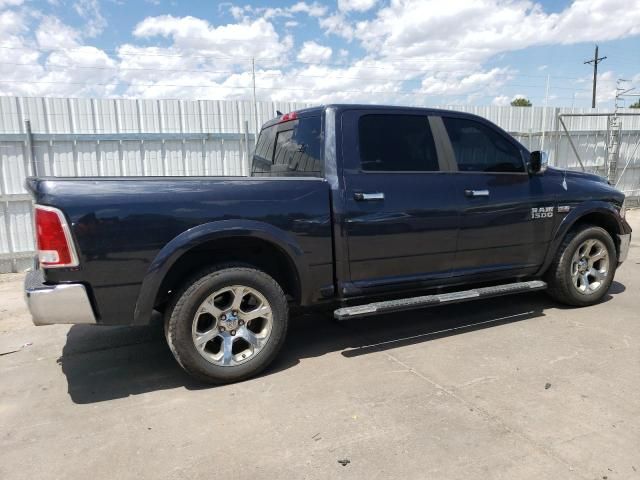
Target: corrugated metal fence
(107,137)
(124,137)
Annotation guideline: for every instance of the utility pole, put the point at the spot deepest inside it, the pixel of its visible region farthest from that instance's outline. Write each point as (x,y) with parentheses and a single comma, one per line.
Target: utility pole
(255,103)
(595,63)
(544,112)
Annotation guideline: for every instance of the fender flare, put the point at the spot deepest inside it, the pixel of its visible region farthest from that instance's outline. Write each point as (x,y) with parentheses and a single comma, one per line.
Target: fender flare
(206,232)
(574,216)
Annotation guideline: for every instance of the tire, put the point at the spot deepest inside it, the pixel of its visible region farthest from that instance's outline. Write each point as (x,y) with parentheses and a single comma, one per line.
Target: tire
(236,340)
(575,259)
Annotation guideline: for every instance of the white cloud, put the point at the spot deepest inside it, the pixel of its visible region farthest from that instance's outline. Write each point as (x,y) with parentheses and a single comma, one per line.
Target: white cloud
(606,87)
(237,12)
(10,3)
(355,5)
(484,28)
(50,59)
(52,34)
(408,51)
(312,9)
(239,41)
(11,23)
(337,25)
(89,10)
(81,56)
(312,52)
(458,83)
(501,101)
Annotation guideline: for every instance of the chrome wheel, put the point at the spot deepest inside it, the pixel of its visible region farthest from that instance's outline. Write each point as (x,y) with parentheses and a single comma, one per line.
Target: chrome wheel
(232,325)
(590,266)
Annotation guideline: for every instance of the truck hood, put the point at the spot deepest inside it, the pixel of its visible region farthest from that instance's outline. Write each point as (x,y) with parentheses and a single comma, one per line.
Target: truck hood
(573,174)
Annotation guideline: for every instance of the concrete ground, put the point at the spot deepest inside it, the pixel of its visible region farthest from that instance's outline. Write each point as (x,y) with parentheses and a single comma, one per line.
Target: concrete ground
(512,388)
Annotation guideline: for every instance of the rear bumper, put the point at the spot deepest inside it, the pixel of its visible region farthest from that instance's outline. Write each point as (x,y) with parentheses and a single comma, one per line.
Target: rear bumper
(61,303)
(624,242)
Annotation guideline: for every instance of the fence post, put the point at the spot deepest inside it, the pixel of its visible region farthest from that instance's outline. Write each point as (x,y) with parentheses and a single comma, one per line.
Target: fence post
(30,150)
(247,158)
(556,133)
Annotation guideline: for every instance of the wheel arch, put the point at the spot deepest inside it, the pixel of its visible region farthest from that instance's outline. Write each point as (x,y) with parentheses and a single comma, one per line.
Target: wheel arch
(599,214)
(257,244)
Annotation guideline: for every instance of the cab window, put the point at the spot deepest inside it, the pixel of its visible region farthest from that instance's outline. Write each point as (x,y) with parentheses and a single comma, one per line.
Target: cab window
(290,149)
(479,148)
(390,142)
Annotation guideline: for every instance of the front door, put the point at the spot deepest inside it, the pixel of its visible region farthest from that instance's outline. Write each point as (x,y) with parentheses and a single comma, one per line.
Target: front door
(400,218)
(506,215)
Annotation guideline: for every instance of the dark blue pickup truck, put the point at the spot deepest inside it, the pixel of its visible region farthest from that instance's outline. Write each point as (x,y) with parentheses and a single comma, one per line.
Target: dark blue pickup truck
(363,209)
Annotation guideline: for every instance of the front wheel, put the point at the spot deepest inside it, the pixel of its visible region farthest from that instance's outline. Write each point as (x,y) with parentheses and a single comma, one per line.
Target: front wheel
(227,324)
(583,269)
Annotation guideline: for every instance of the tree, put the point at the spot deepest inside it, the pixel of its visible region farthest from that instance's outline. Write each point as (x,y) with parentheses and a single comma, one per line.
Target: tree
(520,102)
(635,105)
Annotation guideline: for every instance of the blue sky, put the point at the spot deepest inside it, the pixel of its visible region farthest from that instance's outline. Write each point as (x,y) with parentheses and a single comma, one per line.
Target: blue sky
(423,52)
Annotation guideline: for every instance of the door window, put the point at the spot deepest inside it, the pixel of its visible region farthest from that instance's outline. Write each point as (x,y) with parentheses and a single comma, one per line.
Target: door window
(391,142)
(479,148)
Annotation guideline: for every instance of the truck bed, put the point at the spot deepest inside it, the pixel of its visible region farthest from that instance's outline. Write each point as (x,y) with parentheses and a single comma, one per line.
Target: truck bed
(120,225)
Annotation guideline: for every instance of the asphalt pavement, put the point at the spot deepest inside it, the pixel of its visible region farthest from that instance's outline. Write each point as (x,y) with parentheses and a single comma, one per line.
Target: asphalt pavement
(514,388)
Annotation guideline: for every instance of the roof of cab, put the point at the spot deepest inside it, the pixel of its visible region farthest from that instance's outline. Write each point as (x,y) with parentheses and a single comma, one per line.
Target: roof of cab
(311,111)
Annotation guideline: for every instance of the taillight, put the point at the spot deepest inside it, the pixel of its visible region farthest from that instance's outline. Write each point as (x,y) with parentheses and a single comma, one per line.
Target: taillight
(55,248)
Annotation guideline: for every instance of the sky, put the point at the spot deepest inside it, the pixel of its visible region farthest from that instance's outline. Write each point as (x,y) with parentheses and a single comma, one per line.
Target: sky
(408,52)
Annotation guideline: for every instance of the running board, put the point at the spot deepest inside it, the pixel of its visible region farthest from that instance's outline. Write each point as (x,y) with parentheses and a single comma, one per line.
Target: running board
(347,313)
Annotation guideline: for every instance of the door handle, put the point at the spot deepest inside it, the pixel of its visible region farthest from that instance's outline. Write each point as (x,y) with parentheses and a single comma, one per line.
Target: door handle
(361,196)
(476,193)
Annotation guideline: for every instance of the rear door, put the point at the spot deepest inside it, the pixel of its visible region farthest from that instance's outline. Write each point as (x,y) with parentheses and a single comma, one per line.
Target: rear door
(506,214)
(400,218)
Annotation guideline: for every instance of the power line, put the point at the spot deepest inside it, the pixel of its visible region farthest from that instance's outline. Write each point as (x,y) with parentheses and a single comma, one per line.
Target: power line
(214,57)
(425,69)
(49,66)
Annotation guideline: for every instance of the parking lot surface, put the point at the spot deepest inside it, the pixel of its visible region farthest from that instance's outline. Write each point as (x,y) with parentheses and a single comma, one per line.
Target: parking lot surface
(514,387)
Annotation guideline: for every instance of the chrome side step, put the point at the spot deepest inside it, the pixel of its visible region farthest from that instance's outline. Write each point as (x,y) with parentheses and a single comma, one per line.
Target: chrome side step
(347,313)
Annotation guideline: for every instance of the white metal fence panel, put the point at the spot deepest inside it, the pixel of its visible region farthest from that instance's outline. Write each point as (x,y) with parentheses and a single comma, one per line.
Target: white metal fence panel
(135,137)
(115,137)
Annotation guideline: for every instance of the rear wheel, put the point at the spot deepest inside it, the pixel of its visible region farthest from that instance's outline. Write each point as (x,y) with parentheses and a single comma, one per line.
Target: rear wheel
(583,269)
(227,324)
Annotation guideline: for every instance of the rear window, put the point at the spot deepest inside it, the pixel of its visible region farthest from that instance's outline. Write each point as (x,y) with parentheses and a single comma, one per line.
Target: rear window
(289,149)
(396,143)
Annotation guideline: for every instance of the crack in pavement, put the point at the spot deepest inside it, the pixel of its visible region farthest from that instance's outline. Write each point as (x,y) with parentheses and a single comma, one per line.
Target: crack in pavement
(486,415)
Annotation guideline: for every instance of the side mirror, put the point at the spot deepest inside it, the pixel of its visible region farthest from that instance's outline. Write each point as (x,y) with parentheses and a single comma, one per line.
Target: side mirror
(538,162)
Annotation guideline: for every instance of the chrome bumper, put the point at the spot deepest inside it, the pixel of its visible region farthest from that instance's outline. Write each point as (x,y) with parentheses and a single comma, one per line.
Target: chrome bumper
(52,304)
(625,241)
